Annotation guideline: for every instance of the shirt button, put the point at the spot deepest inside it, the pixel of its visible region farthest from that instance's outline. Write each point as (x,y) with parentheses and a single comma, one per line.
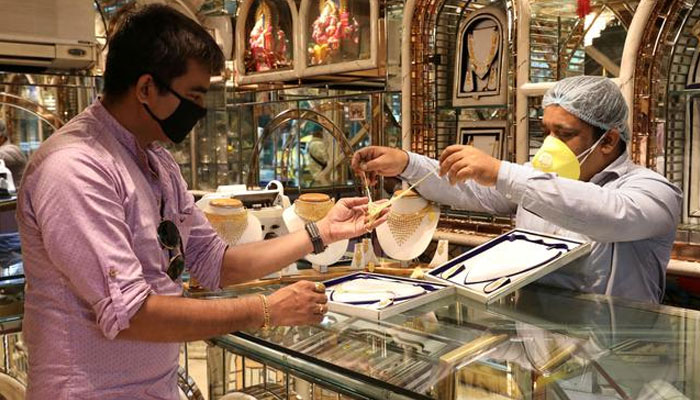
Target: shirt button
(112,273)
(508,196)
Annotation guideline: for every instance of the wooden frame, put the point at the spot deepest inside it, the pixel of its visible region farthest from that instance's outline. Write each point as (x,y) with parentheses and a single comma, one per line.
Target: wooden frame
(478,133)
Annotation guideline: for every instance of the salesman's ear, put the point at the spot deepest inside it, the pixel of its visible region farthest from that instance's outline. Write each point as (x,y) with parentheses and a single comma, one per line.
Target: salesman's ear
(609,143)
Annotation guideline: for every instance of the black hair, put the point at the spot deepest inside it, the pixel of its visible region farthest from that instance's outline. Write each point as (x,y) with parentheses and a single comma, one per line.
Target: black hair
(158,40)
(598,132)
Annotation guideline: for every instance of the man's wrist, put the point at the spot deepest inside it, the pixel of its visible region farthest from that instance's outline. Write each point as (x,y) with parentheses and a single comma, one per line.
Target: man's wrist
(407,159)
(317,239)
(324,228)
(266,312)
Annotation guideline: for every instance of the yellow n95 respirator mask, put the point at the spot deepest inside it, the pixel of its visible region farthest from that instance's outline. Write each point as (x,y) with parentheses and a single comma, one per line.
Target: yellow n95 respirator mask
(556,157)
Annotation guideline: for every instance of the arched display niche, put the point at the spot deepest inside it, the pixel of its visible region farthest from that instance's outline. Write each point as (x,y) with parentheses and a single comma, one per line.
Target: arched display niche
(268,18)
(301,115)
(664,114)
(683,117)
(481,64)
(343,50)
(428,69)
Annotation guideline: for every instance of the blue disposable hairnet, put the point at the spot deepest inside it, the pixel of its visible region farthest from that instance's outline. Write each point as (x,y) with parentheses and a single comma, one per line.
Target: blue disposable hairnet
(594,99)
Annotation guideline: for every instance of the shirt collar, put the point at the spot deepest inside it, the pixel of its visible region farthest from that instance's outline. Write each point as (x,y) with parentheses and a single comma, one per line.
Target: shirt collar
(123,135)
(618,167)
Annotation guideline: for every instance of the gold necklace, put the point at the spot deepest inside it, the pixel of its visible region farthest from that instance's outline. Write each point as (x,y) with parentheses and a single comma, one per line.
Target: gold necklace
(229,227)
(481,68)
(403,226)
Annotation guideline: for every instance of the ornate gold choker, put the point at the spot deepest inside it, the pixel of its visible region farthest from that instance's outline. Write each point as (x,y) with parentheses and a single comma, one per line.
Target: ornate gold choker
(228,218)
(403,226)
(312,207)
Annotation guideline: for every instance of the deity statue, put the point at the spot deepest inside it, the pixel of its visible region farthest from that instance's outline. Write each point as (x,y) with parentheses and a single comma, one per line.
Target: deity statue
(329,30)
(267,44)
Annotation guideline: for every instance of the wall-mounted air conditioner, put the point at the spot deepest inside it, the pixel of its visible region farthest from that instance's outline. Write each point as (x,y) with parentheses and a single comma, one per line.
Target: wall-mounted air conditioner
(49,34)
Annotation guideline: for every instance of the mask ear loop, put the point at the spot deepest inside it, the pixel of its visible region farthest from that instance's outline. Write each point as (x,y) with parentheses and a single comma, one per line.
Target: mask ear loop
(590,149)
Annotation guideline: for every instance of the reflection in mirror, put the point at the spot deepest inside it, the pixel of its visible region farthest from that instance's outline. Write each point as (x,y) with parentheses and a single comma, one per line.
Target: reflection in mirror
(563,45)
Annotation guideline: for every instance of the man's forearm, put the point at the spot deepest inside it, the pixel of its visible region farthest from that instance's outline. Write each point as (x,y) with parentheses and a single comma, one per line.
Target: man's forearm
(255,260)
(178,319)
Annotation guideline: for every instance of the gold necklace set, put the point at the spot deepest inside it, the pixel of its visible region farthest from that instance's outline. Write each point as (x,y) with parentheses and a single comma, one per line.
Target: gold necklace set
(229,219)
(481,68)
(229,227)
(403,226)
(312,207)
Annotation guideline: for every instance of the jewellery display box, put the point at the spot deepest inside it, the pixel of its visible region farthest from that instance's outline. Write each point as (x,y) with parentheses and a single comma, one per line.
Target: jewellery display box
(507,263)
(376,296)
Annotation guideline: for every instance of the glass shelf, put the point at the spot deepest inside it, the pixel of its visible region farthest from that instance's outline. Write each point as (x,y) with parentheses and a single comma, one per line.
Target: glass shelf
(537,341)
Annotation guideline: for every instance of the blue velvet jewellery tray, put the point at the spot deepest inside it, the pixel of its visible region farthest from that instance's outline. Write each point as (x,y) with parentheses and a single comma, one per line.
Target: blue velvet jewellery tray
(376,296)
(507,263)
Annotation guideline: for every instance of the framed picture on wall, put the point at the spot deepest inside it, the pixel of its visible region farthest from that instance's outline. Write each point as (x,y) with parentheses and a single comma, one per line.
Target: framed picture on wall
(357,111)
(486,136)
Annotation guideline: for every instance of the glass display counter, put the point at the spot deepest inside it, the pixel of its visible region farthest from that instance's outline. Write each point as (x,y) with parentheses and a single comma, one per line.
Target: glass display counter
(537,343)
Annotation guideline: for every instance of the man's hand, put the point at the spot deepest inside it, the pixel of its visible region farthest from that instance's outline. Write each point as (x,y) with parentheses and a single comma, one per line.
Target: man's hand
(460,163)
(376,160)
(299,304)
(348,219)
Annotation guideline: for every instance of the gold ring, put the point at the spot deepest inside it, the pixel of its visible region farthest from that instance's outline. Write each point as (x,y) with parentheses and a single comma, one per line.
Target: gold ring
(319,287)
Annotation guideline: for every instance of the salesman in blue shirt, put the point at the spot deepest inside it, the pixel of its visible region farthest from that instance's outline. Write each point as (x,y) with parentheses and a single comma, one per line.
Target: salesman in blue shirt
(581,184)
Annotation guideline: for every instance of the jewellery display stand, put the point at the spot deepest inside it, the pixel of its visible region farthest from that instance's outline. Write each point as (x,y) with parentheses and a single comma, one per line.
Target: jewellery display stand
(507,263)
(481,65)
(409,228)
(363,256)
(311,207)
(375,296)
(442,253)
(266,205)
(231,220)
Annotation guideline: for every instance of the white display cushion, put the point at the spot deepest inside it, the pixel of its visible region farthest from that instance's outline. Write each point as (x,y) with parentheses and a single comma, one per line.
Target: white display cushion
(331,255)
(507,263)
(514,254)
(253,231)
(373,290)
(377,296)
(510,257)
(415,244)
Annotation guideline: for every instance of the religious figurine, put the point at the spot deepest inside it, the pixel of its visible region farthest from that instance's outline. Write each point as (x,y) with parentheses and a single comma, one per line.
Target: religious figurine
(329,30)
(267,45)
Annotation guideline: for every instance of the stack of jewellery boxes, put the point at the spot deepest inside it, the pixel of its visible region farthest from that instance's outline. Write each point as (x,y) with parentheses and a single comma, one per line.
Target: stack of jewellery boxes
(507,263)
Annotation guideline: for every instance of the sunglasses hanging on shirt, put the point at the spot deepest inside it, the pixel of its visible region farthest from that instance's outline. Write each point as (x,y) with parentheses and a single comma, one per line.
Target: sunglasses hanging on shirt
(169,238)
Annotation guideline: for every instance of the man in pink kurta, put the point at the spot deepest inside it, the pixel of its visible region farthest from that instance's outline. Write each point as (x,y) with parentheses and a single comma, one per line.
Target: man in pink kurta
(104,311)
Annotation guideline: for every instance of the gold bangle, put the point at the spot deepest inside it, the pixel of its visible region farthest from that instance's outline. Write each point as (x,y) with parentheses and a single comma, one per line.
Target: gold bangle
(266,312)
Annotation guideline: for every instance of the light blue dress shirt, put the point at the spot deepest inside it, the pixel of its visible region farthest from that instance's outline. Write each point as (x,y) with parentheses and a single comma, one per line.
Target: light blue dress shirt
(628,212)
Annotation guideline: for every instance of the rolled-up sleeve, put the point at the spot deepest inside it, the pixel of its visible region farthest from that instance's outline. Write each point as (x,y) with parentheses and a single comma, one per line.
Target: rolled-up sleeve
(205,251)
(645,205)
(80,215)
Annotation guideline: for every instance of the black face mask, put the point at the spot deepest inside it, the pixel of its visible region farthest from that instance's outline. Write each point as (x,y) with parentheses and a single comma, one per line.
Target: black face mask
(179,124)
